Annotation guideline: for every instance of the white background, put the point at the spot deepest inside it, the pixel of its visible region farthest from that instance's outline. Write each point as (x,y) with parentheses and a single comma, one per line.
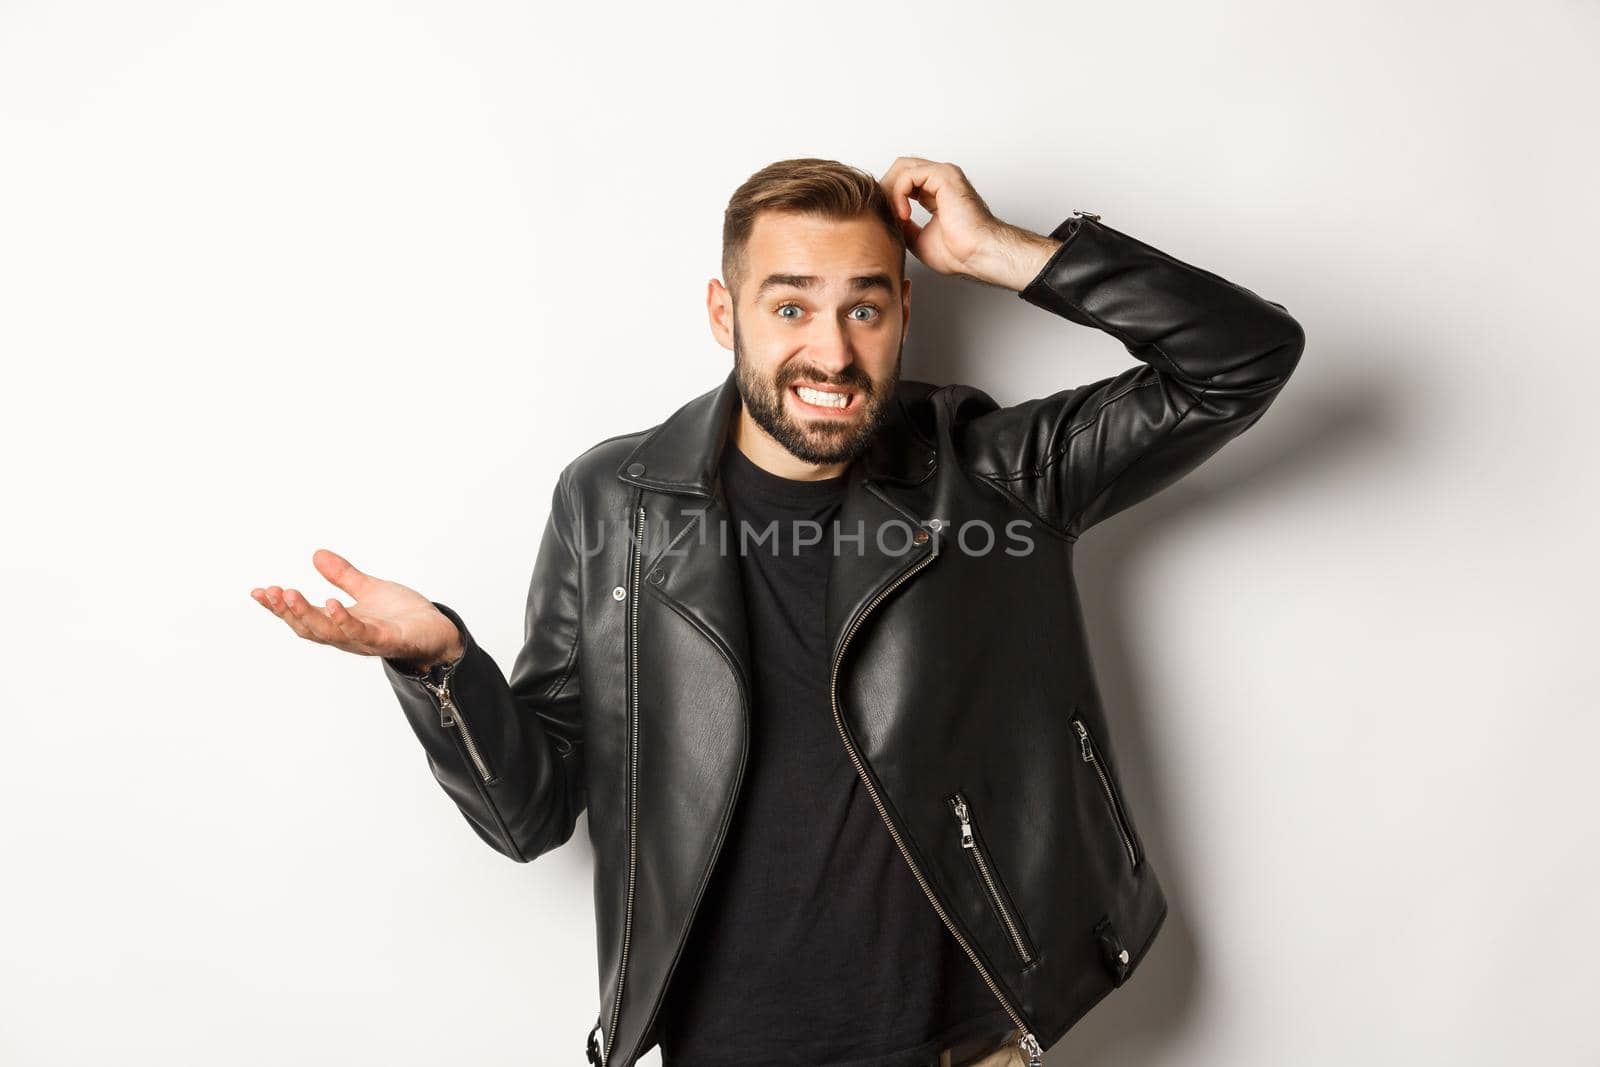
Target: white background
(362,275)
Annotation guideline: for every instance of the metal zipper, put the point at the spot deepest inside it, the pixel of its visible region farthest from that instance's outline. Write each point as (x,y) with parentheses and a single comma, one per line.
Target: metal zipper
(969,841)
(1091,754)
(608,1035)
(450,715)
(1027,1042)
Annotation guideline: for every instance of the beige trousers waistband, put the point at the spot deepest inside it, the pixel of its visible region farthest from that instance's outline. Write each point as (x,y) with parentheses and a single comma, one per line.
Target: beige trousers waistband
(988,1053)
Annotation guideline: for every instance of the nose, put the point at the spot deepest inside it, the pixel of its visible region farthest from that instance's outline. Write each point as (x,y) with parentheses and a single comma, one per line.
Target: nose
(829,347)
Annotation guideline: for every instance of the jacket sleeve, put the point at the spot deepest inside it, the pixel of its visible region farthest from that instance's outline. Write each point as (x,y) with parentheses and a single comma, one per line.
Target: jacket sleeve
(1212,354)
(511,754)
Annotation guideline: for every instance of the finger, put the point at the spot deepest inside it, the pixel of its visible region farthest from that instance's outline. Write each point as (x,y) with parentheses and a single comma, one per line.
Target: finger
(355,630)
(901,163)
(895,184)
(315,622)
(260,597)
(892,180)
(913,233)
(341,572)
(921,182)
(887,182)
(275,600)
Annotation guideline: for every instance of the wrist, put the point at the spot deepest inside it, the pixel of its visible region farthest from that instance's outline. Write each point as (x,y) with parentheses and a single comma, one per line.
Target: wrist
(451,656)
(1012,258)
(426,667)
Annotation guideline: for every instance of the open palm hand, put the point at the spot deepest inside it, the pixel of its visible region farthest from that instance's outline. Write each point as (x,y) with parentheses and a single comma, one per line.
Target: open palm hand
(384,618)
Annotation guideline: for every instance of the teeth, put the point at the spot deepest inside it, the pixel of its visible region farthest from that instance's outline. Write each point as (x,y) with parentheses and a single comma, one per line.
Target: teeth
(827,400)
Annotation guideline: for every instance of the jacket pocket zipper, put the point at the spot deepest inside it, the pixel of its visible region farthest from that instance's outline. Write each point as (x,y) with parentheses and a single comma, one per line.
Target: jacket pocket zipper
(1091,755)
(450,715)
(969,841)
(1028,1044)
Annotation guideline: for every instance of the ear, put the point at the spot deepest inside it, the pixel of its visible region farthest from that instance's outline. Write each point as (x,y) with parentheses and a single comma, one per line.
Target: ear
(719,309)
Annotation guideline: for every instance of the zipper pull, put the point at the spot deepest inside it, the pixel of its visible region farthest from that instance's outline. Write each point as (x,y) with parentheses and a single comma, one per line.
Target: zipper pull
(446,705)
(966,825)
(1030,1044)
(1083,739)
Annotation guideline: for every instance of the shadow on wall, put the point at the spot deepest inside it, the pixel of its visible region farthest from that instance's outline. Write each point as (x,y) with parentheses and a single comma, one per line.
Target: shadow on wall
(1146,1020)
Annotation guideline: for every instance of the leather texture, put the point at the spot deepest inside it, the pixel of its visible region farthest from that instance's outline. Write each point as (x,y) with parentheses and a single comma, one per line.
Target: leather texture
(954,671)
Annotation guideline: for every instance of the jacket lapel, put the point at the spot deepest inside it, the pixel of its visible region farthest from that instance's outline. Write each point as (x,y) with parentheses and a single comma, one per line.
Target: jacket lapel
(695,738)
(889,497)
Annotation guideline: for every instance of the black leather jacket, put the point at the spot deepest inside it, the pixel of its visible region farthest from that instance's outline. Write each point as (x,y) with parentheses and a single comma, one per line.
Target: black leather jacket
(960,678)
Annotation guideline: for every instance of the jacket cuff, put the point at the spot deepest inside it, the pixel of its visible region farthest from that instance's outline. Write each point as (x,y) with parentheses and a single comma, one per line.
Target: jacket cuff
(1036,291)
(402,669)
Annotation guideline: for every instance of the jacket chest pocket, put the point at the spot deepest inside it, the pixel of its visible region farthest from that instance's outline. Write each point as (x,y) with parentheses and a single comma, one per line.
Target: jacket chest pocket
(1091,754)
(983,867)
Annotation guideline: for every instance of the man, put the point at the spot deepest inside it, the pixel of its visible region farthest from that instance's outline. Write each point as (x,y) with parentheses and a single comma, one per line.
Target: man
(810,654)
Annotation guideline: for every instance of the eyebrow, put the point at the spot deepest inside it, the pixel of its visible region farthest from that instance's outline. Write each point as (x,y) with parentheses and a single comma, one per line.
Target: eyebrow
(860,283)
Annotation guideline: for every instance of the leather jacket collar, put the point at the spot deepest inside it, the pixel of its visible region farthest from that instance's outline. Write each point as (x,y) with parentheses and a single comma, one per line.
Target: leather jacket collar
(890,485)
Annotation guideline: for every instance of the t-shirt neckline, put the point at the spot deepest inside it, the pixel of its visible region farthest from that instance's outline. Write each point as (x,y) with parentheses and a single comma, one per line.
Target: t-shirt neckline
(747,474)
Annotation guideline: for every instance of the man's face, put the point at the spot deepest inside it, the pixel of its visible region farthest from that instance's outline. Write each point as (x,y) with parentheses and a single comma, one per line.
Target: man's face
(821,306)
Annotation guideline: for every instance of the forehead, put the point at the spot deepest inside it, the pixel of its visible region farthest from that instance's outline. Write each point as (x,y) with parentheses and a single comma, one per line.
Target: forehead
(832,249)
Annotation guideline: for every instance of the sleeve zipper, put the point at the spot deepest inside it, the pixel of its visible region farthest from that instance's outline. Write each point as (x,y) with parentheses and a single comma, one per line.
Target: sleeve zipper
(450,715)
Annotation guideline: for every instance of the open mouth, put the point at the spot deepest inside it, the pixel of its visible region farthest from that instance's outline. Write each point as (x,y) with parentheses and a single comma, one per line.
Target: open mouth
(828,400)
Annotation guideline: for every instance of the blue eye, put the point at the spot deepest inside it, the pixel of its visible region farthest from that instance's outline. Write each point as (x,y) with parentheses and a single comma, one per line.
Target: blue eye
(860,307)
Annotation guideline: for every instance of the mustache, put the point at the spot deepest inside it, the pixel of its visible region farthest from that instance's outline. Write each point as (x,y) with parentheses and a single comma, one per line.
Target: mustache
(853,378)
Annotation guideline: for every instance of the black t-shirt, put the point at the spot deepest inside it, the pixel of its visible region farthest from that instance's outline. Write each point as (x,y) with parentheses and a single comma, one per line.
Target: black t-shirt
(813,944)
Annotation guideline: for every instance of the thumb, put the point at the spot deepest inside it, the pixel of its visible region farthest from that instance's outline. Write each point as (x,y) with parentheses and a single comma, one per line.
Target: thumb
(341,572)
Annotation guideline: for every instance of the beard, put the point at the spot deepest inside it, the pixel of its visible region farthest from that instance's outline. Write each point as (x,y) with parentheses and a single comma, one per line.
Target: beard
(822,440)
